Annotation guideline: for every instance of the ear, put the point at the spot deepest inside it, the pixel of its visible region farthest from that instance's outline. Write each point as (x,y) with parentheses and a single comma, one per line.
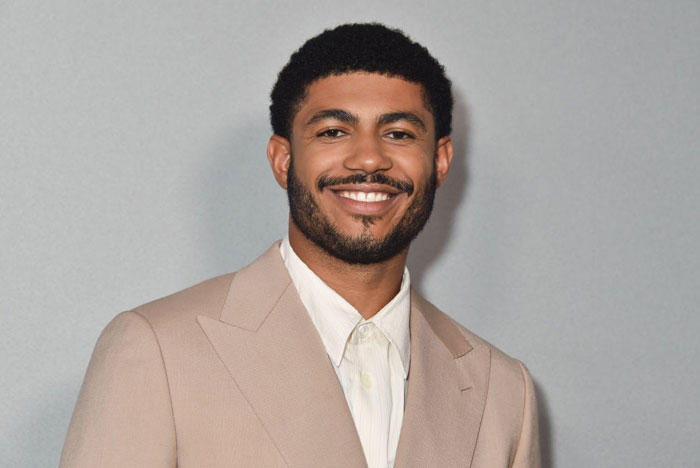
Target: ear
(443,159)
(279,154)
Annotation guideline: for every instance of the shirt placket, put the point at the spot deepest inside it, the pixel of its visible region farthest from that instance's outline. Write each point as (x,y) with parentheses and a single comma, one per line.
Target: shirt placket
(371,398)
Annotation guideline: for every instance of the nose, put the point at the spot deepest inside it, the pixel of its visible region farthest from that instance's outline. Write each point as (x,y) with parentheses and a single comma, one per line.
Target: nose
(367,155)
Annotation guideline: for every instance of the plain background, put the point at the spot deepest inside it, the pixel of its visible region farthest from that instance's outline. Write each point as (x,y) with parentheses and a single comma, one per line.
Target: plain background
(132,138)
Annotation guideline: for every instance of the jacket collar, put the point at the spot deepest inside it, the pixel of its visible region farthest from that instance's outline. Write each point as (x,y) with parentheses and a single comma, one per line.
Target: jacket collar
(256,289)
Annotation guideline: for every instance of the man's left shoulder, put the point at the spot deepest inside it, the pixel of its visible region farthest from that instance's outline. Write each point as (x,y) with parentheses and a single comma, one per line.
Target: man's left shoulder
(505,371)
(499,359)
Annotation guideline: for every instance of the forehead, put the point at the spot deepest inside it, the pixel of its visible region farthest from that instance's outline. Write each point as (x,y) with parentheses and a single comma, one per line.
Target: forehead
(363,93)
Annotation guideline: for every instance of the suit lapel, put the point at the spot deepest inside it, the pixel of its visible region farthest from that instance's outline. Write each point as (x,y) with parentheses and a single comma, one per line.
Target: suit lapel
(447,387)
(270,347)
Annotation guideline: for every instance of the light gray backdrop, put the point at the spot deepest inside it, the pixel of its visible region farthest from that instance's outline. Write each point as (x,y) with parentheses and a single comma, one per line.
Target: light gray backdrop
(132,146)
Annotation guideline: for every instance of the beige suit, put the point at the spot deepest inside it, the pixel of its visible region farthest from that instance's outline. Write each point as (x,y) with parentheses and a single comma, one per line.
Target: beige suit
(232,373)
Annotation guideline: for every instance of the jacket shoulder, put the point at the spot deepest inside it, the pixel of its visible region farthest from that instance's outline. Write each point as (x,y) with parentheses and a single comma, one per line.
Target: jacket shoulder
(205,298)
(502,364)
(499,358)
(507,372)
(177,313)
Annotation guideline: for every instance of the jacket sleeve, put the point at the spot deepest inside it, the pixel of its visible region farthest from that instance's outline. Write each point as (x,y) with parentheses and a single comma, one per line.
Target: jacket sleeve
(123,416)
(527,452)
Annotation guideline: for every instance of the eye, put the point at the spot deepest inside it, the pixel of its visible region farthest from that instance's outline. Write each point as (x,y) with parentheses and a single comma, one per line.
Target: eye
(331,133)
(399,135)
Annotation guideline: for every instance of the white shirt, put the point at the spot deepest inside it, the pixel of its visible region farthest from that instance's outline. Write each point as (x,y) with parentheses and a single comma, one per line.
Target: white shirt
(370,357)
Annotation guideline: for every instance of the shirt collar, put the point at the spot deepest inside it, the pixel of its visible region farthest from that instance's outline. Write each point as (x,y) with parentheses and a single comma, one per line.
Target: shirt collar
(334,317)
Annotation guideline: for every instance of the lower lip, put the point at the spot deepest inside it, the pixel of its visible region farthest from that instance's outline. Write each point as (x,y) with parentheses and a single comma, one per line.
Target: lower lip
(364,208)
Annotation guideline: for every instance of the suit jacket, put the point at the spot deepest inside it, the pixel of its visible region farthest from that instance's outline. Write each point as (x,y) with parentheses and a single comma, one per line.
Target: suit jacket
(231,372)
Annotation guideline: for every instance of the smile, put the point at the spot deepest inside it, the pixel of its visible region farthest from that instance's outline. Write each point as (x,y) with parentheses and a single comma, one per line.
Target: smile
(365,199)
(365,196)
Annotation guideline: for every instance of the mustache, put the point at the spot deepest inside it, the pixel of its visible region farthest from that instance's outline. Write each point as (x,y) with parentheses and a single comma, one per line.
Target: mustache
(375,178)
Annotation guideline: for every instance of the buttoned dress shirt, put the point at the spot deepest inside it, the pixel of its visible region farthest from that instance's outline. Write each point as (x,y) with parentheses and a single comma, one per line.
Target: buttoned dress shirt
(370,357)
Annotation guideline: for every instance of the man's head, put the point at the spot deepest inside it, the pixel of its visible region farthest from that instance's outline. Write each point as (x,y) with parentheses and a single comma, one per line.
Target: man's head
(361,116)
(366,47)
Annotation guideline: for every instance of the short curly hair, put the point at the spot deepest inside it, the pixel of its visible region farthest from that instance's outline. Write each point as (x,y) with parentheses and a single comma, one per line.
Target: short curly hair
(360,47)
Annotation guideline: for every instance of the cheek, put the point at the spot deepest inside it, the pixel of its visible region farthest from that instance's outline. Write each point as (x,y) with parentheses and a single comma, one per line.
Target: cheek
(314,162)
(417,168)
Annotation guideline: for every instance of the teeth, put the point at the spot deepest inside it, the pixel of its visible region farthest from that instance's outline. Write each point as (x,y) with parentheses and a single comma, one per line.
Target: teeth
(365,196)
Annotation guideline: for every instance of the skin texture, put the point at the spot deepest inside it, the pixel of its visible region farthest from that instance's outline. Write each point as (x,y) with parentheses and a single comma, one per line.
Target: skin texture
(372,129)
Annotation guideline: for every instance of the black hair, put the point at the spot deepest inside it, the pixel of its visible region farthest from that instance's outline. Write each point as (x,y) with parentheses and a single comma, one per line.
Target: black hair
(360,47)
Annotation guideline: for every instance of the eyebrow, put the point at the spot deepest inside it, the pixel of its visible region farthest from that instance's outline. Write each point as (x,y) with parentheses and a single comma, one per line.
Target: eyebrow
(335,114)
(346,117)
(409,117)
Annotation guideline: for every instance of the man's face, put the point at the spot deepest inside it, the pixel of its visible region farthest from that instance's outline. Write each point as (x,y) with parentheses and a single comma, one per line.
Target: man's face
(363,166)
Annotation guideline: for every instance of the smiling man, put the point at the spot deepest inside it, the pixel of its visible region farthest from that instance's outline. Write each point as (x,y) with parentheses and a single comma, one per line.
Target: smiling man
(319,353)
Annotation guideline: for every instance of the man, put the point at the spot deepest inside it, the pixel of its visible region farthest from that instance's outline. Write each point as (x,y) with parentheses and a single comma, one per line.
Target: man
(318,354)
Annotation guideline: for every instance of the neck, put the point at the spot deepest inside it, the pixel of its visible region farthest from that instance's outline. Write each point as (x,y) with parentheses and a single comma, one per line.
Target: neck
(367,288)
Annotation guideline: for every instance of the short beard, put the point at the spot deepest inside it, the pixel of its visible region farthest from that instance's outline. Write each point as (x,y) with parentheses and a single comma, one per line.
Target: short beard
(362,249)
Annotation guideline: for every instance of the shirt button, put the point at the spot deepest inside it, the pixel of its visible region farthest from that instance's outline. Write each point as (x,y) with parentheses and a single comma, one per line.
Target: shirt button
(364,331)
(366,380)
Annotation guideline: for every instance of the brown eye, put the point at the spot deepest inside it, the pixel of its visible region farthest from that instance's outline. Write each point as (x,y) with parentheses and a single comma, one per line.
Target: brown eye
(397,135)
(331,133)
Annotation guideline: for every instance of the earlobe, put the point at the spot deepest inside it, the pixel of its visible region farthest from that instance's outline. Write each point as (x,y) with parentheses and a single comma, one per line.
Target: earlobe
(443,159)
(279,155)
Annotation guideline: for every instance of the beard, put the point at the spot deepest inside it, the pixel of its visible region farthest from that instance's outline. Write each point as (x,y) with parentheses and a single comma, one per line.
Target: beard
(363,248)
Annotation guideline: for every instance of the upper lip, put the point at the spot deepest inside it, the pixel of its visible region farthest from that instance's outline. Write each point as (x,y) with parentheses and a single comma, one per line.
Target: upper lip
(365,188)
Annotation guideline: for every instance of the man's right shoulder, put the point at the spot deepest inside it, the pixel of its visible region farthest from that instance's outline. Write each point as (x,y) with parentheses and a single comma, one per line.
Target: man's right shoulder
(178,312)
(183,307)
